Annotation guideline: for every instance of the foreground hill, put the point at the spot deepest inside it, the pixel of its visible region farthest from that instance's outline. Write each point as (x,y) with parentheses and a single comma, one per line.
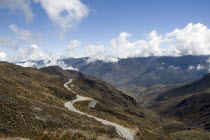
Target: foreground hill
(32,106)
(189,103)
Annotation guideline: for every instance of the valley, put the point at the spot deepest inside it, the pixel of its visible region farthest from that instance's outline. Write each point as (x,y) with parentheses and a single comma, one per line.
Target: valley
(104,70)
(23,105)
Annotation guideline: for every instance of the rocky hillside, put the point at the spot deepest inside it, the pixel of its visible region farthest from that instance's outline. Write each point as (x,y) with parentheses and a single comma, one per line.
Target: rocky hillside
(189,103)
(115,106)
(31,106)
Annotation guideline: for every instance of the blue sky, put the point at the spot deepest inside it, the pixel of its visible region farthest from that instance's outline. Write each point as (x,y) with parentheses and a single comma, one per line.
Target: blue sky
(104,21)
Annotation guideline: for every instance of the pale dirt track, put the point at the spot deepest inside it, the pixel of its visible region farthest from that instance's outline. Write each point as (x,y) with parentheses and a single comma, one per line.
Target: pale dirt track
(122,131)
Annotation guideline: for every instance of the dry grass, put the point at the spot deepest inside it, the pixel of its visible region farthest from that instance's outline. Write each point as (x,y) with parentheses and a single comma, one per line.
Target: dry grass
(32,101)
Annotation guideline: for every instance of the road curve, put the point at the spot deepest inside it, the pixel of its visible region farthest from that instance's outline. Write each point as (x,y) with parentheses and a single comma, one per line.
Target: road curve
(122,131)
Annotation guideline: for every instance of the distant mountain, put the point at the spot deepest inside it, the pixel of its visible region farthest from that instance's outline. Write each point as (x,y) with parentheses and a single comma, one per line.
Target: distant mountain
(144,71)
(140,71)
(189,103)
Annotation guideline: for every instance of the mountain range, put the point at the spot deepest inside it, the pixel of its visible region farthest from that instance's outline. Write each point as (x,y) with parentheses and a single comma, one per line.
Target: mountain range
(32,106)
(144,70)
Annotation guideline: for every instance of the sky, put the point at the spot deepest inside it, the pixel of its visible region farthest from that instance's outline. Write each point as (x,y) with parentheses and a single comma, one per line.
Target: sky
(106,30)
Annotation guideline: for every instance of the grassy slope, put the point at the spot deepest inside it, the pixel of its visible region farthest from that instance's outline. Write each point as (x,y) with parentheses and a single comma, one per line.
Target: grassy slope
(189,103)
(31,105)
(115,106)
(130,114)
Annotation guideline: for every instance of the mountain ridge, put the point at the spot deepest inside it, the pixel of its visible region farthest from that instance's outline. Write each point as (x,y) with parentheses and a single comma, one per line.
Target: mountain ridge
(189,103)
(32,106)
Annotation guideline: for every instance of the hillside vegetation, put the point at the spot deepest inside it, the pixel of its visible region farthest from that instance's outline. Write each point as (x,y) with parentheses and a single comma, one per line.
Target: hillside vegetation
(32,106)
(115,106)
(189,103)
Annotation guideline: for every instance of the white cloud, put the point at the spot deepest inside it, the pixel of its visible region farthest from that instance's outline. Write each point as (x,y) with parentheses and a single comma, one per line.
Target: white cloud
(122,48)
(70,48)
(15,6)
(191,67)
(33,52)
(98,53)
(3,56)
(62,65)
(208,60)
(64,13)
(20,36)
(27,64)
(24,35)
(46,63)
(194,39)
(200,67)
(28,57)
(70,68)
(174,67)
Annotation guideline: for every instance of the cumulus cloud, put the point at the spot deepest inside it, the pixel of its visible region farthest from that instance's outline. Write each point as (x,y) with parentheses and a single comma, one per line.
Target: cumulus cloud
(56,62)
(27,64)
(33,52)
(61,64)
(70,48)
(174,67)
(70,68)
(64,13)
(122,48)
(46,63)
(3,56)
(15,6)
(98,53)
(28,57)
(208,62)
(95,52)
(20,36)
(200,67)
(191,67)
(194,39)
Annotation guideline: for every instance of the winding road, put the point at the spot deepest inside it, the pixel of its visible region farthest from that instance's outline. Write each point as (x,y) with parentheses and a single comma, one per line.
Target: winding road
(122,131)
